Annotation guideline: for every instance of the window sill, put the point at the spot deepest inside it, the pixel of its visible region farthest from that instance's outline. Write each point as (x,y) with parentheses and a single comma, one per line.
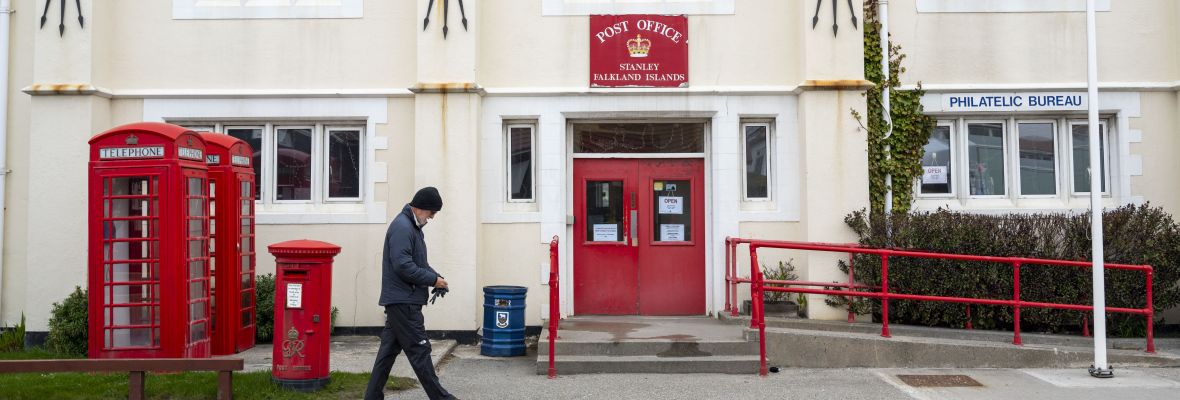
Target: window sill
(303,214)
(1004,205)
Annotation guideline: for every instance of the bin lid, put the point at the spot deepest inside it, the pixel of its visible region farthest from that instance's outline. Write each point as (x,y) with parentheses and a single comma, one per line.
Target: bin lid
(505,289)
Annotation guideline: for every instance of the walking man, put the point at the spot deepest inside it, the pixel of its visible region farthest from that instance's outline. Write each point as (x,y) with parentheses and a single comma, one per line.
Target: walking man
(405,277)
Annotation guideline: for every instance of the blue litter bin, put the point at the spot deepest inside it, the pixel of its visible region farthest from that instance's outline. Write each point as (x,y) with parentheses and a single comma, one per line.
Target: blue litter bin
(503,321)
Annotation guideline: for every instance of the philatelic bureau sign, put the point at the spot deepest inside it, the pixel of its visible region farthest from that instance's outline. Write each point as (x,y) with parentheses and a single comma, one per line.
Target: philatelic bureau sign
(638,51)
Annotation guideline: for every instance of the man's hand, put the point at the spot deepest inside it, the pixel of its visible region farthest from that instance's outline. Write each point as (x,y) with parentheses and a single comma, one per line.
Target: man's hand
(440,283)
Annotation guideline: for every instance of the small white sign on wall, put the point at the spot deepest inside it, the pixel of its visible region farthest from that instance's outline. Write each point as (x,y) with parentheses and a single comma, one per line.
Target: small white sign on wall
(671,232)
(606,233)
(294,295)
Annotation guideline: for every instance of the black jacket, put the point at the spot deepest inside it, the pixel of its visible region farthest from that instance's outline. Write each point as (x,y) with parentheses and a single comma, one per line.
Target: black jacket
(406,276)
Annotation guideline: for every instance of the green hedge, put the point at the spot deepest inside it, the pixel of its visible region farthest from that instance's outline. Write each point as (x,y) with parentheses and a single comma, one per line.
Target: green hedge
(67,325)
(1132,235)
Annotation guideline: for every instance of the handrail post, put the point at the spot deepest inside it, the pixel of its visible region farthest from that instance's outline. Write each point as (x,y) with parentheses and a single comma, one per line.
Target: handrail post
(728,277)
(1016,298)
(757,315)
(1150,312)
(851,317)
(733,268)
(554,304)
(885,295)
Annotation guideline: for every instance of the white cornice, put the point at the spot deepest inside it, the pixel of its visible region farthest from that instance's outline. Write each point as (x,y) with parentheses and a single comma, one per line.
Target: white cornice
(1036,86)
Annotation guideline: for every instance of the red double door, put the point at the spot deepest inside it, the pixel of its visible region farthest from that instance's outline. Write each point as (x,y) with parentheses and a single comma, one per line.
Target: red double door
(639,237)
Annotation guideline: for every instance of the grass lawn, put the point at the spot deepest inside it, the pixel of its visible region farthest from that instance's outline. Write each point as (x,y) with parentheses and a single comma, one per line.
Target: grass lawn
(188,385)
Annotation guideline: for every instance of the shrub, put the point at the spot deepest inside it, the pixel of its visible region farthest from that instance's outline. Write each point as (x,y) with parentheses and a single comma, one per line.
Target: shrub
(1132,235)
(13,339)
(67,325)
(264,308)
(785,271)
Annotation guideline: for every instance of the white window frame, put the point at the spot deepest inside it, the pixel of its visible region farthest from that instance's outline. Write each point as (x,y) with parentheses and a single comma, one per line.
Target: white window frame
(953,163)
(1104,128)
(273,149)
(1007,6)
(266,9)
(362,175)
(966,159)
(1017,185)
(508,126)
(769,125)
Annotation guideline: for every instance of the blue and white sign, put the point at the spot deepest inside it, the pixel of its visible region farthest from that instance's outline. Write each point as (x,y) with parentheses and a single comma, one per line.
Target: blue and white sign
(1012,102)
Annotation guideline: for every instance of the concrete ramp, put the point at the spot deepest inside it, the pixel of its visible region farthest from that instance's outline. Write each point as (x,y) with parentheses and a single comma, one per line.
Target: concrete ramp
(631,344)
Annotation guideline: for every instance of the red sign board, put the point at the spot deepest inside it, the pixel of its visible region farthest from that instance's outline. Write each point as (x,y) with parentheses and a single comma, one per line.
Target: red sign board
(638,51)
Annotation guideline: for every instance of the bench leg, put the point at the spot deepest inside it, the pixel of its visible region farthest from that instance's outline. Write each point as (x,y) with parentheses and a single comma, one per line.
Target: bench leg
(225,385)
(135,386)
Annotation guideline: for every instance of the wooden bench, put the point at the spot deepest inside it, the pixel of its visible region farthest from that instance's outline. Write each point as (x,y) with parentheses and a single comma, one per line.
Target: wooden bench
(136,367)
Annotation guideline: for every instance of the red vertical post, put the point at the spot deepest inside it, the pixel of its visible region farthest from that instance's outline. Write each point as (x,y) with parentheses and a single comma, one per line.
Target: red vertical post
(554,304)
(1150,313)
(851,317)
(885,297)
(1016,298)
(1085,326)
(756,314)
(728,276)
(733,268)
(969,327)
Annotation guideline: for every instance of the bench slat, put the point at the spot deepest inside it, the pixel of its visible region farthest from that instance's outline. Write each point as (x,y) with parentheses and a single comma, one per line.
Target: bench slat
(123,365)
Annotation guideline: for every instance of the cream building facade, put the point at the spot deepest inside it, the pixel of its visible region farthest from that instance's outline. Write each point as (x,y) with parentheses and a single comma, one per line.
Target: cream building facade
(362,81)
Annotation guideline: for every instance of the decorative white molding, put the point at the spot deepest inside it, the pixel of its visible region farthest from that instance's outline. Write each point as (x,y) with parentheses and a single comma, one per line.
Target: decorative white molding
(266,9)
(229,93)
(371,110)
(1008,6)
(692,90)
(1041,86)
(620,7)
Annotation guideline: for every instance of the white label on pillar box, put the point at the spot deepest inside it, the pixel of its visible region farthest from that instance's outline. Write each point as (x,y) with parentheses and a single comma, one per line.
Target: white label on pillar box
(240,160)
(294,295)
(192,154)
(110,153)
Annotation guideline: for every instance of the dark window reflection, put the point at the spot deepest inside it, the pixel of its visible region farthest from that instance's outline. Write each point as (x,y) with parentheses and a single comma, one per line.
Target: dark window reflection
(293,172)
(520,142)
(1081,157)
(604,211)
(639,138)
(344,173)
(253,137)
(936,162)
(757,162)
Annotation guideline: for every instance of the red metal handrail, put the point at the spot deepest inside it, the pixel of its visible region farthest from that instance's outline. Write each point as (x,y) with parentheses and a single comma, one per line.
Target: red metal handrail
(758,285)
(554,303)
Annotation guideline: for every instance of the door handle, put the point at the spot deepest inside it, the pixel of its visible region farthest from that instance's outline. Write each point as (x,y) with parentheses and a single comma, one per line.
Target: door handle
(634,222)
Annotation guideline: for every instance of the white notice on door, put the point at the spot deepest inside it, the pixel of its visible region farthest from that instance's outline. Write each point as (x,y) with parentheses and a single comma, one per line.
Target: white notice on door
(294,295)
(671,205)
(606,233)
(671,232)
(934,175)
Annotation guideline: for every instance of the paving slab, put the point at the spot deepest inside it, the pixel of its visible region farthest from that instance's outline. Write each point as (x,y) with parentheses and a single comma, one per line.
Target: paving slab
(349,354)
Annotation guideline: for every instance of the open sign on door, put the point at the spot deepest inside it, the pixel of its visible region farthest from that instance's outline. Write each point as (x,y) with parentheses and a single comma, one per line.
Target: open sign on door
(671,205)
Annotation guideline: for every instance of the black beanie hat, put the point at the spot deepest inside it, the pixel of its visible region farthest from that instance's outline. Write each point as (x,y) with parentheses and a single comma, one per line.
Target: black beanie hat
(427,198)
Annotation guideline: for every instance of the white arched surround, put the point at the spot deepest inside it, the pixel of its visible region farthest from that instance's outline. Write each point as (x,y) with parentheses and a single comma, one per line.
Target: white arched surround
(725,208)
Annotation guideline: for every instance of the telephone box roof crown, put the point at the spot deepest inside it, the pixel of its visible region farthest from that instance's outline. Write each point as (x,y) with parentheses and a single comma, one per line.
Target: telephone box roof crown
(158,128)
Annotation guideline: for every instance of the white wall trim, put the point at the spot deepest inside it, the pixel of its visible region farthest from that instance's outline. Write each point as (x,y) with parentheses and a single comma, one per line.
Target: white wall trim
(266,9)
(227,93)
(692,90)
(619,7)
(1045,86)
(372,110)
(1005,6)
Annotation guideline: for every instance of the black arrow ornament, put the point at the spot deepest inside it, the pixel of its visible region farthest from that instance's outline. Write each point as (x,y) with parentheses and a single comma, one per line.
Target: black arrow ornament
(61,25)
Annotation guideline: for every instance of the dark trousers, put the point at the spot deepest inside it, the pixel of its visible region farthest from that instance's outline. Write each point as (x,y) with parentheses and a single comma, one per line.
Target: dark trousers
(405,329)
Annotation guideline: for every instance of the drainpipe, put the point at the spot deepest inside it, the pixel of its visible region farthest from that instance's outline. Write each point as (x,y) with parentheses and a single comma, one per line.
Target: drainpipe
(883,16)
(5,18)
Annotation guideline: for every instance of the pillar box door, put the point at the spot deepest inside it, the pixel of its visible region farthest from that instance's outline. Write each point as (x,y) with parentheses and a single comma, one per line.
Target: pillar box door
(231,204)
(148,270)
(303,311)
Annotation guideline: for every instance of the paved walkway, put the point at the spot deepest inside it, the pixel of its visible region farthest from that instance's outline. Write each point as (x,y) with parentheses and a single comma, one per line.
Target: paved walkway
(349,354)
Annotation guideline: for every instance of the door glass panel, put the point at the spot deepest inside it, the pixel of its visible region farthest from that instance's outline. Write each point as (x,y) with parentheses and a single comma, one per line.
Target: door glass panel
(672,219)
(604,211)
(639,138)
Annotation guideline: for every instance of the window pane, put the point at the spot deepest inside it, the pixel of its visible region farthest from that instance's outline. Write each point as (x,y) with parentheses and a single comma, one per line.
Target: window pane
(985,157)
(520,156)
(344,165)
(1038,161)
(936,162)
(1081,157)
(293,172)
(673,216)
(639,138)
(757,162)
(604,211)
(253,137)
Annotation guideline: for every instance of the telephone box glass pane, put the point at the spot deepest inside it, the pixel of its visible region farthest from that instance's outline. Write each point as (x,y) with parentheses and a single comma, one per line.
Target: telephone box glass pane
(672,219)
(344,166)
(293,172)
(604,211)
(247,319)
(197,332)
(252,136)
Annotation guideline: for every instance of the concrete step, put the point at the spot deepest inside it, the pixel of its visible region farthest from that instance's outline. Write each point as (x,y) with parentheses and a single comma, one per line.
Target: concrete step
(658,348)
(595,364)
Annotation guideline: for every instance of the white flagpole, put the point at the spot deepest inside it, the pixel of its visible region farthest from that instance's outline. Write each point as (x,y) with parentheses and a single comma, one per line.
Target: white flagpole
(1100,369)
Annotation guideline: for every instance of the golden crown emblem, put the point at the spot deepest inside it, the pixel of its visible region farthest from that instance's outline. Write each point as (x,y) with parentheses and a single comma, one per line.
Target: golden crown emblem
(638,47)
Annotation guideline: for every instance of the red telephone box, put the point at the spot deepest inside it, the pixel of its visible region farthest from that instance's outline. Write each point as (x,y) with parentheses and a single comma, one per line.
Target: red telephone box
(303,312)
(231,241)
(148,233)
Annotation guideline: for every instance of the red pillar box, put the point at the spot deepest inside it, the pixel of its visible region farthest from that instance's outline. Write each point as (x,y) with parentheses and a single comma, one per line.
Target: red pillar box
(303,311)
(148,240)
(231,241)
